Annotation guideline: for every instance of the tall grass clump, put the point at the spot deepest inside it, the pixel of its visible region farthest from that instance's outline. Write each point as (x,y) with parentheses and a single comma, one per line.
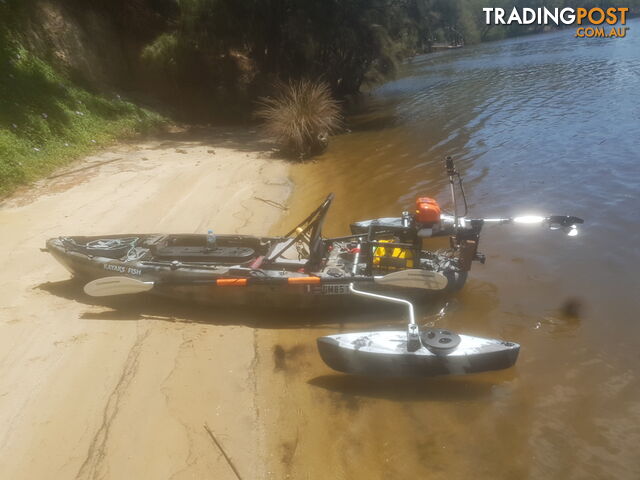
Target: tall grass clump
(300,116)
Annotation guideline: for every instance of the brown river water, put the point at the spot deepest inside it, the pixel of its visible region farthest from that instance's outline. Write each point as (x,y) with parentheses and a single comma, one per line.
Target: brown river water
(541,124)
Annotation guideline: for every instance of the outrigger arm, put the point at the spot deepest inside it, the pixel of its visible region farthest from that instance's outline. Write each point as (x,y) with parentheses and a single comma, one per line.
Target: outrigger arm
(413,332)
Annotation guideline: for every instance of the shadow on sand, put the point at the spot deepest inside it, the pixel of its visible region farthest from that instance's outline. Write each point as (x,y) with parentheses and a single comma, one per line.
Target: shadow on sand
(150,307)
(438,389)
(241,139)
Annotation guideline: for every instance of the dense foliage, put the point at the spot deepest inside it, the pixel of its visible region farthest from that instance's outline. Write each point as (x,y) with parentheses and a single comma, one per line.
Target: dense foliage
(230,49)
(225,49)
(215,57)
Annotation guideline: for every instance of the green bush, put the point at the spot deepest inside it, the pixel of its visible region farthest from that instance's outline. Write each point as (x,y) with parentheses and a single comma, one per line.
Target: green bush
(47,121)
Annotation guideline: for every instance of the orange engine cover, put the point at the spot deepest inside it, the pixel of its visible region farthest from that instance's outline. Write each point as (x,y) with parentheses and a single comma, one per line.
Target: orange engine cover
(427,210)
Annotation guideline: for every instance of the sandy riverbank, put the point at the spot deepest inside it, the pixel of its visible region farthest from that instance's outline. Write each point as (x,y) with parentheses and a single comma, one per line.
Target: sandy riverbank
(124,388)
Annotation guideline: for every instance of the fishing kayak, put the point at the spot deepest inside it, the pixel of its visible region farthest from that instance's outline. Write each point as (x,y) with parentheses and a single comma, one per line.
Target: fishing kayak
(300,268)
(238,270)
(383,259)
(385,353)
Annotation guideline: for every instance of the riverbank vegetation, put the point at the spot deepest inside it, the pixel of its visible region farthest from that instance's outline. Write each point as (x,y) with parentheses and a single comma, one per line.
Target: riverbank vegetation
(215,57)
(64,62)
(47,120)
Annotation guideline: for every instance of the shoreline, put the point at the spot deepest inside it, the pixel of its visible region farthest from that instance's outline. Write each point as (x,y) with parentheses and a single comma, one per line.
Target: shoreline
(128,388)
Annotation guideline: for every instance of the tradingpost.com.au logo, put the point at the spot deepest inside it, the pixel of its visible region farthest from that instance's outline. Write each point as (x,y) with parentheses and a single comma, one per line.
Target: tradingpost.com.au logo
(602,22)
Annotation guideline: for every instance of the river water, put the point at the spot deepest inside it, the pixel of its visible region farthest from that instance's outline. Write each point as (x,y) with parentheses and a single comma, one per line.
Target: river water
(539,124)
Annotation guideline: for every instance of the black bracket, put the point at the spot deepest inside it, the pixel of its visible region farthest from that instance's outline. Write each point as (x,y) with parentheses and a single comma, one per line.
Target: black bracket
(451,169)
(480,257)
(413,338)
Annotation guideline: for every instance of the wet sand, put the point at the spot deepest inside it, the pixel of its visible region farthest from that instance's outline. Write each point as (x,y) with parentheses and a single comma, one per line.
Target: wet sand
(125,388)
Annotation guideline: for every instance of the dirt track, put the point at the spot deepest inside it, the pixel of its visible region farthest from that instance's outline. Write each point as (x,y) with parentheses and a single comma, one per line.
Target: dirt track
(124,388)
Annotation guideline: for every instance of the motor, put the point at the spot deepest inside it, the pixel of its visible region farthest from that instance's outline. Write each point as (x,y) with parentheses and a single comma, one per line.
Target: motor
(428,220)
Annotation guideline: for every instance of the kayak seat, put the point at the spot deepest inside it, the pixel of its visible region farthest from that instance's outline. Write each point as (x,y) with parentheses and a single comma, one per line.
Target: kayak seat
(225,255)
(278,256)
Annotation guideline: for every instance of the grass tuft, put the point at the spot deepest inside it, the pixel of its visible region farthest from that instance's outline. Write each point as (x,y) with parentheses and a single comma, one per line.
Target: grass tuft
(301,116)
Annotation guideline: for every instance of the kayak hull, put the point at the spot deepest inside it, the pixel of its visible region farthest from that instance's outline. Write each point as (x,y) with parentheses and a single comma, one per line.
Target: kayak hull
(384,353)
(196,282)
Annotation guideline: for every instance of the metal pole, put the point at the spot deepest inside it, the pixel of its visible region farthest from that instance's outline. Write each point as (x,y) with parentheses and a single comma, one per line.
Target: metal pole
(451,170)
(413,332)
(385,298)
